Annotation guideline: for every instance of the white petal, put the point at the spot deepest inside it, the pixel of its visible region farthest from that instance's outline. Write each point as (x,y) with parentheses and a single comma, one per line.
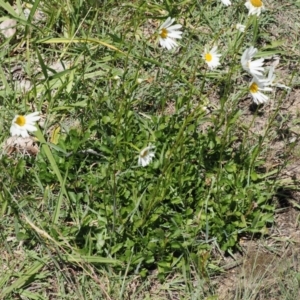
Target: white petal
(24,133)
(167,23)
(282,86)
(167,43)
(36,113)
(13,130)
(214,50)
(175,35)
(267,89)
(174,27)
(30,127)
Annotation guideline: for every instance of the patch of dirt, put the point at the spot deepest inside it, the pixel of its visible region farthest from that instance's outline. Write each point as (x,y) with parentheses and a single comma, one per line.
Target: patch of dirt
(287,24)
(268,266)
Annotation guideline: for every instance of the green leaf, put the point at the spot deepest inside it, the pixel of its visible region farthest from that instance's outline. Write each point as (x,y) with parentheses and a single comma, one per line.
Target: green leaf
(25,278)
(89,259)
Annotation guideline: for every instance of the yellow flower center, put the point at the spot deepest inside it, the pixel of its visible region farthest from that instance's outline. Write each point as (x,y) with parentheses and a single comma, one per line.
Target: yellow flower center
(164,33)
(21,120)
(208,57)
(253,88)
(256,3)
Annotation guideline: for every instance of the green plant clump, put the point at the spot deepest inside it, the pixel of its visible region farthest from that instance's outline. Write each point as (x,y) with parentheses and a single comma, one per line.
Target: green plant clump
(84,198)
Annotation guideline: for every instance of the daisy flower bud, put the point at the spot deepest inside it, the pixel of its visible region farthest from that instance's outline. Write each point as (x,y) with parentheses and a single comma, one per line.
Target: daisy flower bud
(146,156)
(240,27)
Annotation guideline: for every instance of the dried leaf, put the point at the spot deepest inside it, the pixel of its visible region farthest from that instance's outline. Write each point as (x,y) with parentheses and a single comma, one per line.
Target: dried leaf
(55,135)
(25,146)
(8,27)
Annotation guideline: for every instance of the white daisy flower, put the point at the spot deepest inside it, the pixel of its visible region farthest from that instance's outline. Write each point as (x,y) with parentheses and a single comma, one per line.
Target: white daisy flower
(226,2)
(212,58)
(253,67)
(240,27)
(255,7)
(146,156)
(21,125)
(256,87)
(168,33)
